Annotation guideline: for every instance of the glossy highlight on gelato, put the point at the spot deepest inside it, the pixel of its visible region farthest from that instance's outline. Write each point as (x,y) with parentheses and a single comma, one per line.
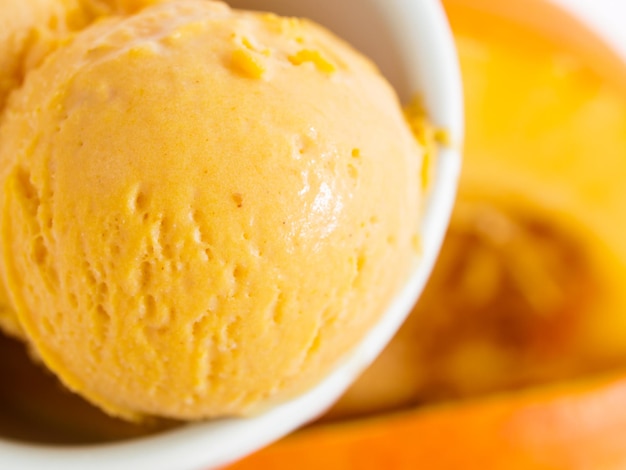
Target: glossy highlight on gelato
(203,209)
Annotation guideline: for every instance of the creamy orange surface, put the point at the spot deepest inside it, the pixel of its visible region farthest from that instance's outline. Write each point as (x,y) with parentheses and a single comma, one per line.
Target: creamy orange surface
(203,209)
(29,31)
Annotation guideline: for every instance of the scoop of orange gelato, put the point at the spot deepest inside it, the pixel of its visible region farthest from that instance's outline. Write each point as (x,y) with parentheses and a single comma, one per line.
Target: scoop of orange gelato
(204,209)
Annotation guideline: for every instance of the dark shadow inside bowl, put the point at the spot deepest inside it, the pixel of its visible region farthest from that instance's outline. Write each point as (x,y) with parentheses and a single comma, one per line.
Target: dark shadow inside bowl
(36,408)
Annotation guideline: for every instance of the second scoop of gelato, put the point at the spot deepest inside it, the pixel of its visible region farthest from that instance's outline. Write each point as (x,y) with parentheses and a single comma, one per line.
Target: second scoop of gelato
(204,209)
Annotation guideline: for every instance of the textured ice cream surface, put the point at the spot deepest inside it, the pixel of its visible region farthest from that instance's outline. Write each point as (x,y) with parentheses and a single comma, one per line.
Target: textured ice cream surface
(204,209)
(29,31)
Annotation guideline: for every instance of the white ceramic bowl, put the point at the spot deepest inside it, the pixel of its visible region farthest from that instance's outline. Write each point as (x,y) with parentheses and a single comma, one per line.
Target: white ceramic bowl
(411,42)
